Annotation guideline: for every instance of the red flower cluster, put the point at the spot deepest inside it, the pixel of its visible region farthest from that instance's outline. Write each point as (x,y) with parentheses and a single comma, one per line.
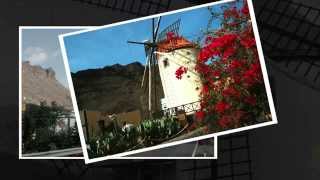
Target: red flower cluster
(200,115)
(231,13)
(253,75)
(245,9)
(231,92)
(224,41)
(206,53)
(228,52)
(230,70)
(238,114)
(216,74)
(224,121)
(235,65)
(180,71)
(215,45)
(231,120)
(205,89)
(251,100)
(221,107)
(203,68)
(247,38)
(248,42)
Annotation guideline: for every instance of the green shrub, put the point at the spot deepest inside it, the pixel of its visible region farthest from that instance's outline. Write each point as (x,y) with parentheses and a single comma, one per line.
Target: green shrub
(147,133)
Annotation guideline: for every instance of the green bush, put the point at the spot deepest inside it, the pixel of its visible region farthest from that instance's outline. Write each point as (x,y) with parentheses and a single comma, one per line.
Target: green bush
(147,133)
(39,132)
(159,129)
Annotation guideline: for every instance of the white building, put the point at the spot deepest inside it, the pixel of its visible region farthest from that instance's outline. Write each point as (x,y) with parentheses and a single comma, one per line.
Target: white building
(171,55)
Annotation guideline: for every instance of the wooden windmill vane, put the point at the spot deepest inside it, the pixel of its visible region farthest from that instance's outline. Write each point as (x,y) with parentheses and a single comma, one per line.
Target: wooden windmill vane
(168,55)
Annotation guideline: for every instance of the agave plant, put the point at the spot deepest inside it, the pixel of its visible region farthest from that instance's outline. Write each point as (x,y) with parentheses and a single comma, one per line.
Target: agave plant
(159,129)
(149,132)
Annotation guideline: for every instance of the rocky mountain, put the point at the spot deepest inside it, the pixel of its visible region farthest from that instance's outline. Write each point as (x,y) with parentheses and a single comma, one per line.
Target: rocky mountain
(114,89)
(40,84)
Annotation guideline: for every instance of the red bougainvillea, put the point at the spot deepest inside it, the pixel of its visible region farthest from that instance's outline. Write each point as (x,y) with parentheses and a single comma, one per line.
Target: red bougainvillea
(180,71)
(221,107)
(200,115)
(245,10)
(233,92)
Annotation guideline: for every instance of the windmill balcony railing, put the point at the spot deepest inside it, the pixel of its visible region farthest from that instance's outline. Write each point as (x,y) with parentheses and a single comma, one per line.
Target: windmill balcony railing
(188,109)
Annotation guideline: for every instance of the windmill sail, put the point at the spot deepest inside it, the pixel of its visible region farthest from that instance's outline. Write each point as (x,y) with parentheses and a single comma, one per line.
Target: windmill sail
(151,79)
(174,28)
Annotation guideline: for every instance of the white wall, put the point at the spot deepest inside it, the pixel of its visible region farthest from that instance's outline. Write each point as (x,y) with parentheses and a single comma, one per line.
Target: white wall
(186,90)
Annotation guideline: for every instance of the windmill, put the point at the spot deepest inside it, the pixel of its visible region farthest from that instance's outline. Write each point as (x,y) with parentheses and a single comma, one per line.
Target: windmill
(159,54)
(150,46)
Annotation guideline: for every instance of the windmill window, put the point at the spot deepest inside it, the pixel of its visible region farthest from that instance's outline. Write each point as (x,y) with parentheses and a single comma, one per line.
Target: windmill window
(165,62)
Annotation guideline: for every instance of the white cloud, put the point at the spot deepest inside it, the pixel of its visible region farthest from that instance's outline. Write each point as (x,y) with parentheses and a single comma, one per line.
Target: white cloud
(36,55)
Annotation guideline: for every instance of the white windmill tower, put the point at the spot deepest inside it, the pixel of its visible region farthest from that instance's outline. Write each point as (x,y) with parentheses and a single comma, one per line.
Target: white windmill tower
(168,56)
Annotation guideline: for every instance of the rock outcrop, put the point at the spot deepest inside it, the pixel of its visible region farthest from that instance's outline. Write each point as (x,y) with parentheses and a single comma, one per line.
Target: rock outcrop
(40,85)
(114,89)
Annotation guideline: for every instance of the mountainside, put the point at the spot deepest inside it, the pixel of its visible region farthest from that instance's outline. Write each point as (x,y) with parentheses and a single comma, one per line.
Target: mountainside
(39,84)
(112,89)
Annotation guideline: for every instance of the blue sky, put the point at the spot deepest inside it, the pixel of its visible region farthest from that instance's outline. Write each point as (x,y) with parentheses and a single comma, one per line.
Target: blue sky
(107,46)
(100,48)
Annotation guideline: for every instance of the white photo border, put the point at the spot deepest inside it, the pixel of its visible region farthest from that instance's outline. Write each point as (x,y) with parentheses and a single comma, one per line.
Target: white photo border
(21,28)
(116,156)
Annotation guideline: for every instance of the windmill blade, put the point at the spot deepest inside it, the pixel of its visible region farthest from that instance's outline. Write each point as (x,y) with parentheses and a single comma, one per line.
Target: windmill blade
(150,85)
(150,63)
(145,70)
(153,30)
(150,47)
(155,34)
